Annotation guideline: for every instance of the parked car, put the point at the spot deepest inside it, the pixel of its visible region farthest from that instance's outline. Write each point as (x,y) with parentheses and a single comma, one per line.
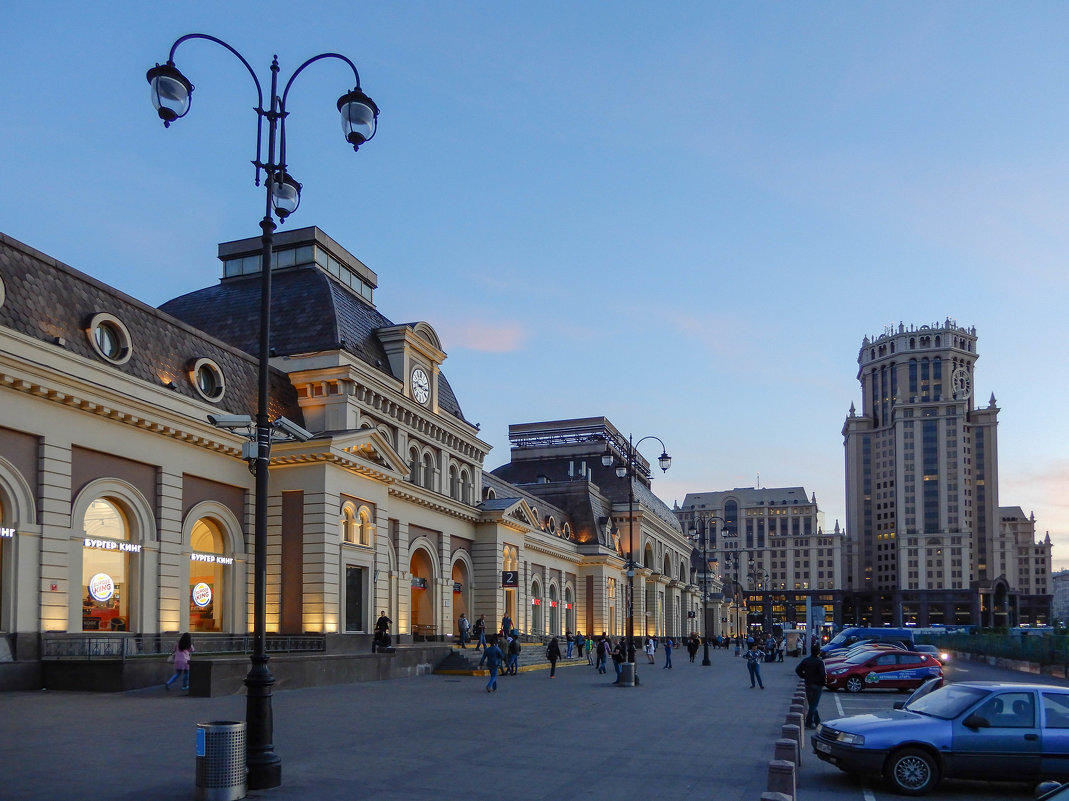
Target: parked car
(931,650)
(865,646)
(995,731)
(855,634)
(883,669)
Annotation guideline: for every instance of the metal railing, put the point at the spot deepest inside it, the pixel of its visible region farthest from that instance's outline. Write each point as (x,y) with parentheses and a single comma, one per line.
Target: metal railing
(128,646)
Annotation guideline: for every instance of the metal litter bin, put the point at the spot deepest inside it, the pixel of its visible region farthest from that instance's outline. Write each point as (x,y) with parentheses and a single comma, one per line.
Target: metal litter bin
(222,773)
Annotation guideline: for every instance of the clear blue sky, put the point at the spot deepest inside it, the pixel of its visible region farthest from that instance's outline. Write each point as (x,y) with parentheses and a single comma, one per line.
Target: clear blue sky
(683,216)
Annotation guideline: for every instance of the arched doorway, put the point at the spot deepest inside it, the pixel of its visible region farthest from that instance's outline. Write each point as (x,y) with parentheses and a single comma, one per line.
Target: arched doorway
(554,613)
(461,594)
(569,609)
(421,568)
(537,626)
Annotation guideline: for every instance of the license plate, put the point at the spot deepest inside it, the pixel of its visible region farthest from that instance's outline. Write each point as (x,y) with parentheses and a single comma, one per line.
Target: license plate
(824,748)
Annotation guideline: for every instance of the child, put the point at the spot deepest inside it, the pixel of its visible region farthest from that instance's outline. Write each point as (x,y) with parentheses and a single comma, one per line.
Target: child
(181,653)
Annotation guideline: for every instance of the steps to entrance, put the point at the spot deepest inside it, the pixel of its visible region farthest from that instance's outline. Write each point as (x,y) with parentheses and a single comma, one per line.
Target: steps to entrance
(465,661)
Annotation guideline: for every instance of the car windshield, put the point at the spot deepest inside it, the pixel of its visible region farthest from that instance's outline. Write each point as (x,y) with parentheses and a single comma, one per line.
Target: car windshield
(948,701)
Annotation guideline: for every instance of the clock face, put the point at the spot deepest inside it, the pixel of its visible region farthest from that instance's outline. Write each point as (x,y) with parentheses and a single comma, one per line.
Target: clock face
(961,383)
(421,385)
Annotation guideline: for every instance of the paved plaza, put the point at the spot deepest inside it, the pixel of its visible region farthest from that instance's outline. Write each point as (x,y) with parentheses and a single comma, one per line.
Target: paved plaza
(689,732)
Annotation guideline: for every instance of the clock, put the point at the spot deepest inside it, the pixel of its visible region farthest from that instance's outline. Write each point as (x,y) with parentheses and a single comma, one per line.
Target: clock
(421,385)
(962,384)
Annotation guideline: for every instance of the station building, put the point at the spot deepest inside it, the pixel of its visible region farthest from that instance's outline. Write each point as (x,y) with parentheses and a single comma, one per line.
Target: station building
(126,517)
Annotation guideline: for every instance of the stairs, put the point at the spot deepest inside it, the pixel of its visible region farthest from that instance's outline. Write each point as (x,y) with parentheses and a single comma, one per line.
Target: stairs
(465,661)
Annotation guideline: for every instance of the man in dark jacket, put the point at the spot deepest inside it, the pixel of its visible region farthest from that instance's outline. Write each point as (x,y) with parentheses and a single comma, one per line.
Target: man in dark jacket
(811,669)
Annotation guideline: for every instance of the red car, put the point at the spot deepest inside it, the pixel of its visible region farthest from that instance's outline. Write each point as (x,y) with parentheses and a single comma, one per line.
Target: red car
(894,670)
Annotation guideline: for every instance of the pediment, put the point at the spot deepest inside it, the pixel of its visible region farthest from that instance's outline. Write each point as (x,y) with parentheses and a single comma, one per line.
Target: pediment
(514,510)
(370,445)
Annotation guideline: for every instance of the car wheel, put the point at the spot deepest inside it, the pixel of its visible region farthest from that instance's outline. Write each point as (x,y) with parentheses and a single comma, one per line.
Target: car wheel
(854,684)
(912,771)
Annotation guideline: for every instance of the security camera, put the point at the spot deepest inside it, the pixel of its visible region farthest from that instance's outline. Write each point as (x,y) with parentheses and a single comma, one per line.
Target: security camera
(292,430)
(230,421)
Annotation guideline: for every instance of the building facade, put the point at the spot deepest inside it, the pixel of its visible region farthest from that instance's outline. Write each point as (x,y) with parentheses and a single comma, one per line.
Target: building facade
(778,565)
(125,515)
(931,545)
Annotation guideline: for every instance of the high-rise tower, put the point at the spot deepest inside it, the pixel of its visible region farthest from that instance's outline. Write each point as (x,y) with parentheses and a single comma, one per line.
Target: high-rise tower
(922,503)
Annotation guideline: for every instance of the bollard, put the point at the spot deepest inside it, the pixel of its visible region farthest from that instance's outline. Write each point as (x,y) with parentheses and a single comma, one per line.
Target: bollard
(787,750)
(801,700)
(799,708)
(791,732)
(781,777)
(796,720)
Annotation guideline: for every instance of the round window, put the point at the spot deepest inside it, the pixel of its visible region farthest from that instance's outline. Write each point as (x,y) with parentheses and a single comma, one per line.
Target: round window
(109,338)
(207,379)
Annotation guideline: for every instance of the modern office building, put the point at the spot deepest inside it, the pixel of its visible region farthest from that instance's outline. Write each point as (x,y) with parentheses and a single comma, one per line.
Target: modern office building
(127,517)
(772,553)
(931,543)
(1060,606)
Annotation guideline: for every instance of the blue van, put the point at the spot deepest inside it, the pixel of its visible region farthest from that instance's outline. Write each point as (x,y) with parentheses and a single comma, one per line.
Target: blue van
(851,636)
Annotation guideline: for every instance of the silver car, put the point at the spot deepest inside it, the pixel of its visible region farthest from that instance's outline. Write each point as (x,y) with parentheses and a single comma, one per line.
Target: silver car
(999,731)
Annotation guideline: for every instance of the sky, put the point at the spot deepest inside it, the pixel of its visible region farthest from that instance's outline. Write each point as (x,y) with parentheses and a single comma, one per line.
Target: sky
(684,217)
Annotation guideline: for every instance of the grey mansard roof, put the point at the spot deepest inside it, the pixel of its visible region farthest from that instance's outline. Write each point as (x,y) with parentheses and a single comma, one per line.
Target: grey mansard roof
(310,312)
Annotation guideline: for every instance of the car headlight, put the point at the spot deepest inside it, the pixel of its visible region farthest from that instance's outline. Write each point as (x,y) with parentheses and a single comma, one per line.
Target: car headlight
(851,739)
(837,671)
(944,657)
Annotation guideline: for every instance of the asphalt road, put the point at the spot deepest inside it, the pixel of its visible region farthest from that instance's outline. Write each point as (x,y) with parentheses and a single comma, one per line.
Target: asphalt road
(819,781)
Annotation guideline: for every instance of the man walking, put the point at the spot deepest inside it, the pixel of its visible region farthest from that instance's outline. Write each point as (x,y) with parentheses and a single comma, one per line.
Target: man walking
(492,656)
(811,669)
(753,664)
(480,633)
(568,642)
(463,625)
(668,644)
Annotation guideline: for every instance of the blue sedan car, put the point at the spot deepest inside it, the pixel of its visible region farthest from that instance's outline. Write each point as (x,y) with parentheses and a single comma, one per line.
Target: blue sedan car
(997,731)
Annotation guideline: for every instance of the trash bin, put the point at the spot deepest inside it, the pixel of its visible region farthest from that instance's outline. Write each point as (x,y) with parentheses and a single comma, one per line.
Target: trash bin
(222,773)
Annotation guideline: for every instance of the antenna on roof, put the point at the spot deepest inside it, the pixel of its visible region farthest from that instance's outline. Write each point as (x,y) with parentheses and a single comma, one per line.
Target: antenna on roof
(759,481)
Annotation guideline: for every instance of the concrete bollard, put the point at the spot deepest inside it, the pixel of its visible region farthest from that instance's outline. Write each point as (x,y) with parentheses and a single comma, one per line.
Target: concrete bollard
(796,720)
(801,702)
(791,732)
(781,777)
(775,797)
(786,749)
(799,708)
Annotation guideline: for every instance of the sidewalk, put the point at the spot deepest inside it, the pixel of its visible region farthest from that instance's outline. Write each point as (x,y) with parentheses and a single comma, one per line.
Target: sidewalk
(686,733)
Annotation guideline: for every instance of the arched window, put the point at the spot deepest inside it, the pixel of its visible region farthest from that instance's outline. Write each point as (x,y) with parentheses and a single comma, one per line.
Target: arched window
(413,465)
(106,571)
(428,471)
(348,525)
(510,558)
(489,494)
(366,526)
(465,486)
(454,483)
(208,572)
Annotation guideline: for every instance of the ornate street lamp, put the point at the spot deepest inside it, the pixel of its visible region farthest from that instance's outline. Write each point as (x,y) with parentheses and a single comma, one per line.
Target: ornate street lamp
(172,93)
(628,677)
(707,565)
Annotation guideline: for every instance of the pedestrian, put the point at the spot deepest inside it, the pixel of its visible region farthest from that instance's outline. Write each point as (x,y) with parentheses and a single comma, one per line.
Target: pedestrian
(589,649)
(781,649)
(514,654)
(493,657)
(618,659)
(692,646)
(668,645)
(506,625)
(480,632)
(580,642)
(553,654)
(180,655)
(651,649)
(604,648)
(811,669)
(463,624)
(382,632)
(568,641)
(753,664)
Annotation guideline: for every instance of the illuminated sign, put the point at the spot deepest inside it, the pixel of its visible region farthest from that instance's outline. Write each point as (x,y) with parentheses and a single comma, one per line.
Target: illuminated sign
(419,583)
(101,587)
(536,602)
(458,587)
(7,532)
(510,578)
(111,545)
(567,606)
(552,604)
(202,594)
(211,557)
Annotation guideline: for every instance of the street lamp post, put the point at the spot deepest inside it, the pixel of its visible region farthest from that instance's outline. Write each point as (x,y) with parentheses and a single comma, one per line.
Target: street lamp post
(707,564)
(171,95)
(628,677)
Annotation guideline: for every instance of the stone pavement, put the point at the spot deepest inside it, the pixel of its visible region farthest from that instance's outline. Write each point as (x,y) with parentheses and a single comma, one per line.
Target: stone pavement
(689,732)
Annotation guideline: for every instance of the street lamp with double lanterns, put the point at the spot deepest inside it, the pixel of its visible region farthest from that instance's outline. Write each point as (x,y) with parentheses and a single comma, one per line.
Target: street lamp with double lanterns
(708,564)
(172,93)
(627,470)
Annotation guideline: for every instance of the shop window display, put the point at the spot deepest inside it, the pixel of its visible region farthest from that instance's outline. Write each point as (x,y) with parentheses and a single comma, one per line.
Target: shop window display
(106,568)
(207,576)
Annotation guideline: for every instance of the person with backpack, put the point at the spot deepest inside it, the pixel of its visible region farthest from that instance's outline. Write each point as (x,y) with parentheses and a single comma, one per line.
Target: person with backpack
(553,654)
(604,647)
(514,655)
(618,658)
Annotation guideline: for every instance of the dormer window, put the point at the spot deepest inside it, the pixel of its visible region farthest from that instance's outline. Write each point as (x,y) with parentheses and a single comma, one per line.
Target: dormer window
(109,338)
(207,379)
